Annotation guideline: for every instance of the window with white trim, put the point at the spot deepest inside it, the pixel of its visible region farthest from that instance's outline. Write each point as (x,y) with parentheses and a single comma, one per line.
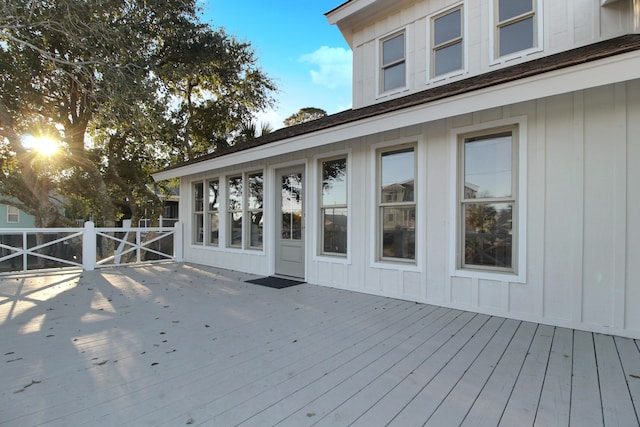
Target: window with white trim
(516,26)
(234,210)
(245,210)
(393,67)
(198,213)
(396,204)
(13,215)
(254,209)
(333,206)
(488,197)
(446,42)
(213,214)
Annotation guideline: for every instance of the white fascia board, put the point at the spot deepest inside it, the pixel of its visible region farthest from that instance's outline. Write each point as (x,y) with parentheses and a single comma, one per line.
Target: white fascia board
(593,74)
(347,10)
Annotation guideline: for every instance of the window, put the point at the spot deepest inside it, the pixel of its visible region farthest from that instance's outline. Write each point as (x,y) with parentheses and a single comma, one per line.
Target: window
(516,28)
(234,210)
(198,212)
(447,42)
(13,215)
(333,206)
(213,214)
(488,201)
(245,210)
(393,72)
(254,209)
(397,204)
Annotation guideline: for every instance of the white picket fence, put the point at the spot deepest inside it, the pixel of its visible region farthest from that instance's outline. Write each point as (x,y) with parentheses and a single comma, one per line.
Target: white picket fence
(88,248)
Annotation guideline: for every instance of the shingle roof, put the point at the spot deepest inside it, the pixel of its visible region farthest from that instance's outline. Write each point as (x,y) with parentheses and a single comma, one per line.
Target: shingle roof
(577,56)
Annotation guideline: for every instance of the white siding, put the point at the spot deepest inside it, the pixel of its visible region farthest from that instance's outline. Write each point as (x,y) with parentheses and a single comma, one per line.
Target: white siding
(583,255)
(564,25)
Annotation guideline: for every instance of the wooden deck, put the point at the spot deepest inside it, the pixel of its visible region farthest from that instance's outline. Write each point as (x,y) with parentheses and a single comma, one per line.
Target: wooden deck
(178,344)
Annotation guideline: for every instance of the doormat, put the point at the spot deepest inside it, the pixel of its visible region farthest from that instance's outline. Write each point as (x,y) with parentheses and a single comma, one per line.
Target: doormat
(275,282)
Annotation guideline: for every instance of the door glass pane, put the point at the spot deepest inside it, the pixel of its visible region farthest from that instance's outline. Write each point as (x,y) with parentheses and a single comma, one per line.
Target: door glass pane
(398,232)
(397,176)
(447,27)
(488,167)
(448,59)
(334,182)
(488,234)
(393,49)
(292,206)
(198,228)
(512,8)
(516,37)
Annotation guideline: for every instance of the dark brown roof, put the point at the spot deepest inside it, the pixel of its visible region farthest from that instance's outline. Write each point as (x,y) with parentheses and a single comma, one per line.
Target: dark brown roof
(581,55)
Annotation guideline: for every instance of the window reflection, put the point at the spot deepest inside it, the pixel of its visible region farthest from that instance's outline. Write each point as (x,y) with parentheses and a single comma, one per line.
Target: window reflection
(488,234)
(488,168)
(292,206)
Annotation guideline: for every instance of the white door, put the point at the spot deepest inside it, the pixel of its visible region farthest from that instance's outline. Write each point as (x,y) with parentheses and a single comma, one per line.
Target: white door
(290,222)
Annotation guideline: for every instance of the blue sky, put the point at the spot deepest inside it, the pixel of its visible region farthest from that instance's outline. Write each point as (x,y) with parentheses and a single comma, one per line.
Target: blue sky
(306,57)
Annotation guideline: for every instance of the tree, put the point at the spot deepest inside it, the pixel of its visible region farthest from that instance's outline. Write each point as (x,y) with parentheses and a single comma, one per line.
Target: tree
(143,79)
(305,115)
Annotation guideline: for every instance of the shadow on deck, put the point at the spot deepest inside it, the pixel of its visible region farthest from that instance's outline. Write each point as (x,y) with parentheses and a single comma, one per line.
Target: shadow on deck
(179,344)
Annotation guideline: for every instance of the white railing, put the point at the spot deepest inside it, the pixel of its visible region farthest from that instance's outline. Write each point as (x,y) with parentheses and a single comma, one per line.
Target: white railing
(29,249)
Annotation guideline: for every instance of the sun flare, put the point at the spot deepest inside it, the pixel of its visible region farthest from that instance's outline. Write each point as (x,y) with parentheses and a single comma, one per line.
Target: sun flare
(42,144)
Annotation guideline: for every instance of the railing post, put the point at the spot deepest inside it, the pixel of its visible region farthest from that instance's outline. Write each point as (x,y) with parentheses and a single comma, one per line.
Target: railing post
(177,242)
(89,246)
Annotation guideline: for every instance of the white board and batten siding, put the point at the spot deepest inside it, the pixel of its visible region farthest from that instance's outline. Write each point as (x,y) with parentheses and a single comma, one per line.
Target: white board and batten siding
(582,235)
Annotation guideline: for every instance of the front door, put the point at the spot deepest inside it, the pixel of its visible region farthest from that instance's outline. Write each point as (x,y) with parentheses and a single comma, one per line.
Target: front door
(290,222)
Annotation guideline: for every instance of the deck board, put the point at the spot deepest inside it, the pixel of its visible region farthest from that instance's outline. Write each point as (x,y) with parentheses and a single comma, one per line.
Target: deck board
(177,344)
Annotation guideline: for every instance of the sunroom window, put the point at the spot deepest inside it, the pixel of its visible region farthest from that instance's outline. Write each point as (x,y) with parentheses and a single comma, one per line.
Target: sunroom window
(234,210)
(213,214)
(198,213)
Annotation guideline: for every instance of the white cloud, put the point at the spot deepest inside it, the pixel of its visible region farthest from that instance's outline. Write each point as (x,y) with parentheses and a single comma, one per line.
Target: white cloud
(333,66)
(272,117)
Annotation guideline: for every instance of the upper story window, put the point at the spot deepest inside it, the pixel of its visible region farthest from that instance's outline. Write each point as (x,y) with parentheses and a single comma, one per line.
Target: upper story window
(516,27)
(446,45)
(397,204)
(13,215)
(393,71)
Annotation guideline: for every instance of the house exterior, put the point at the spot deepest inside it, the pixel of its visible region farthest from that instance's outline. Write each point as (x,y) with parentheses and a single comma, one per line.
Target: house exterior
(12,217)
(489,164)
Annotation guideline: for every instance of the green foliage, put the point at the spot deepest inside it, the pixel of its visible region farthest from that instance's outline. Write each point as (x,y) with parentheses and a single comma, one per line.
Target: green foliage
(128,86)
(305,115)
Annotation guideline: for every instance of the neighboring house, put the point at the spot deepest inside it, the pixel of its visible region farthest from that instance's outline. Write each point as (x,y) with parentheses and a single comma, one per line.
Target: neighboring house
(516,125)
(12,217)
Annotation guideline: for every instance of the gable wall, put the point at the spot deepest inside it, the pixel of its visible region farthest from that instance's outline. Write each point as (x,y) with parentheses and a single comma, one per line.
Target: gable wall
(565,25)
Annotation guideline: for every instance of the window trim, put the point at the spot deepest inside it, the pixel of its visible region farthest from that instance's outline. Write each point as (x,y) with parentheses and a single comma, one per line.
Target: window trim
(494,35)
(321,207)
(210,212)
(12,211)
(380,205)
(519,256)
(431,76)
(382,67)
(245,243)
(197,213)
